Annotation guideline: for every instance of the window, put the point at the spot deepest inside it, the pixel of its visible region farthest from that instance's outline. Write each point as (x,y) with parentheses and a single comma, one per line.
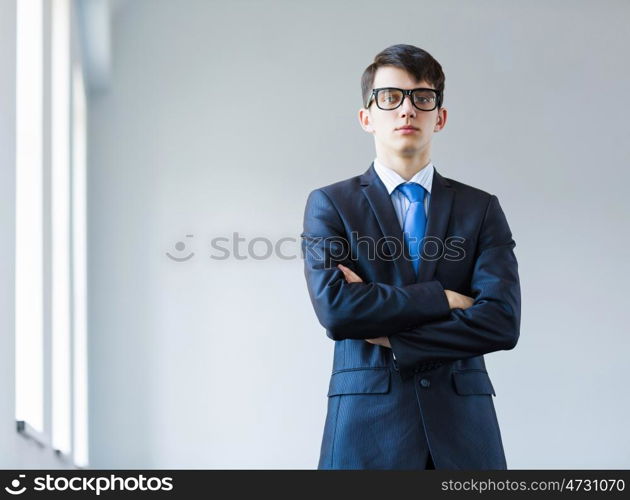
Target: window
(51,265)
(60,226)
(29,258)
(79,268)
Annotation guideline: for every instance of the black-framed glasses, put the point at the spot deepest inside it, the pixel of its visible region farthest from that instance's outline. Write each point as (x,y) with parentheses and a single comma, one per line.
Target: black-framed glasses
(388,98)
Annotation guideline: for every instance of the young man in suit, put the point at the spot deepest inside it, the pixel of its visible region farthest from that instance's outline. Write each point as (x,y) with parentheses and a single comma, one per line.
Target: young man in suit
(414,277)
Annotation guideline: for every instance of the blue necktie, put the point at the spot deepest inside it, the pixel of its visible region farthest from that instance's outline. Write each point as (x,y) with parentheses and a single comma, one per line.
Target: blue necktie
(415,220)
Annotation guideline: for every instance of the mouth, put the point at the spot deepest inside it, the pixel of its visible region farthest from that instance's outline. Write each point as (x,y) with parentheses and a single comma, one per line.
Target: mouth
(408,129)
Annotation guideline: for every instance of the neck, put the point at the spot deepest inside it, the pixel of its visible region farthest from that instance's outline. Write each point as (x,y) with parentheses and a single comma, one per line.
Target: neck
(405,166)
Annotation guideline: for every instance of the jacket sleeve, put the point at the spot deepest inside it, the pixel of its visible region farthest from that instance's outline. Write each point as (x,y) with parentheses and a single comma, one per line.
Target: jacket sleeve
(357,310)
(492,323)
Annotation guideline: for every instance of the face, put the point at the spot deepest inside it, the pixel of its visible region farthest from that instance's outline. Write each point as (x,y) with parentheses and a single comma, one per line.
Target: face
(390,139)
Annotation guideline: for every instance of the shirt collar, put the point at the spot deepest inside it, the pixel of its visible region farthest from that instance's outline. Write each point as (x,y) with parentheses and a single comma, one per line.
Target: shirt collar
(392,180)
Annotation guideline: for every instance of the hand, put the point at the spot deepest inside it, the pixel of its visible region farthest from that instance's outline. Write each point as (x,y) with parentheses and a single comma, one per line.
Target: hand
(457,300)
(349,274)
(383,341)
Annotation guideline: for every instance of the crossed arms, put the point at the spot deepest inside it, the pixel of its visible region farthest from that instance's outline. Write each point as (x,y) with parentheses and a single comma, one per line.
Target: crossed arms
(455,300)
(422,322)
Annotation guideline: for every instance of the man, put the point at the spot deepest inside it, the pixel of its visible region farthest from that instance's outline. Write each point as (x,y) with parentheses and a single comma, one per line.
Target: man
(413,276)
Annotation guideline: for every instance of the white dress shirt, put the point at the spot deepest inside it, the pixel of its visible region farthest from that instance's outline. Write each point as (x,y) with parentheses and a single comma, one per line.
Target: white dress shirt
(392,180)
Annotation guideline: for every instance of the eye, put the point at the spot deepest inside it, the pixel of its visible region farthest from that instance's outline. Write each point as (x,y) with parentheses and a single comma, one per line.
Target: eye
(389,98)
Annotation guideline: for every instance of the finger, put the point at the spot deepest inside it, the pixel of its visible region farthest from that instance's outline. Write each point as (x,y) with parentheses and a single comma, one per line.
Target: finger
(354,278)
(350,275)
(382,341)
(344,270)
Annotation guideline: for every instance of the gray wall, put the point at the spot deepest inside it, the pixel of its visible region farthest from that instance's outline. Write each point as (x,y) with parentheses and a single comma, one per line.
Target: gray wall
(222,116)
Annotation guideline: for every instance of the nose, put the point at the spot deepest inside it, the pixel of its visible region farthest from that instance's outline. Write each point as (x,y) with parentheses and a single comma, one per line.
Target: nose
(407,108)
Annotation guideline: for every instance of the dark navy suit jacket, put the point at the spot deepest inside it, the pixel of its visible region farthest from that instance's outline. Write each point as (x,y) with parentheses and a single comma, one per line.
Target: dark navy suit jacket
(436,394)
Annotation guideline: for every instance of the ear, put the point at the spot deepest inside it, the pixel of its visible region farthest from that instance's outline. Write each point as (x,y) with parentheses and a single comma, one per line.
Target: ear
(365,120)
(441,119)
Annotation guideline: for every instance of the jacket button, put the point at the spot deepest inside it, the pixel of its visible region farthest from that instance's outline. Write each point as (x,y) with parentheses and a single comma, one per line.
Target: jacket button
(425,382)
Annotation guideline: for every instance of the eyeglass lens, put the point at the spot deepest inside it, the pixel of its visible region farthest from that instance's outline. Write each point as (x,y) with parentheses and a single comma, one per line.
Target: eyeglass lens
(392,98)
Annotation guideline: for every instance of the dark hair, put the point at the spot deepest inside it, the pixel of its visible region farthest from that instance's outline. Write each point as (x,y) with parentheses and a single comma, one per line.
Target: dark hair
(417,62)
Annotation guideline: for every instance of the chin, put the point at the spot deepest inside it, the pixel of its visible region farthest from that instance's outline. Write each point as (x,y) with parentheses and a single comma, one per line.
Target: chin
(409,151)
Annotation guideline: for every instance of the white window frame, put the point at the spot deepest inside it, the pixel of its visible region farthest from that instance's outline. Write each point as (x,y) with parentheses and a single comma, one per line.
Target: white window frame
(51,183)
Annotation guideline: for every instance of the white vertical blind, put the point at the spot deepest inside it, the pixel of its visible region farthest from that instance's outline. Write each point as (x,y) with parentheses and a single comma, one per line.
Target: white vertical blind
(60,230)
(79,268)
(29,399)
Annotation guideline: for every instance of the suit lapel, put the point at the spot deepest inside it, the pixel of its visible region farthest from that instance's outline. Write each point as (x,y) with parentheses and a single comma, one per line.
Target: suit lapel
(381,203)
(437,221)
(440,206)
